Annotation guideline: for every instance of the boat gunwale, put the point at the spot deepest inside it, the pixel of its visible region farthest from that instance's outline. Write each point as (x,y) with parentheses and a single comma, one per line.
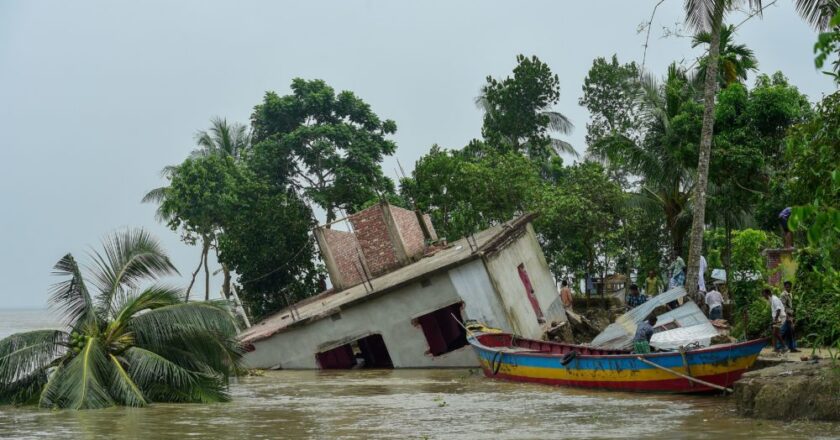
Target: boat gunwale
(473,340)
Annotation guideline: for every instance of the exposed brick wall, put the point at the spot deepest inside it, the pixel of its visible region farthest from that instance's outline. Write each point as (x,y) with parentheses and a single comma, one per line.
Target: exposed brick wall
(410,231)
(345,251)
(780,265)
(372,235)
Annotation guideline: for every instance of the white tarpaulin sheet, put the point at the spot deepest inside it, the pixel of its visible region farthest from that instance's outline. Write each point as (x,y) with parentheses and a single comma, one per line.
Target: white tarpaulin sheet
(694,327)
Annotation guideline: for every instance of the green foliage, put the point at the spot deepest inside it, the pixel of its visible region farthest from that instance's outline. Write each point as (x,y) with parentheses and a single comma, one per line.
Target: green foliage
(464,194)
(200,194)
(814,187)
(127,345)
(827,46)
(266,242)
(579,218)
(735,61)
(518,115)
(611,93)
(658,143)
(748,266)
(327,145)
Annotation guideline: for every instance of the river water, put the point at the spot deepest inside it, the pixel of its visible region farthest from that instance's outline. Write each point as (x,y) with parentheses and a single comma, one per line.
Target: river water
(409,404)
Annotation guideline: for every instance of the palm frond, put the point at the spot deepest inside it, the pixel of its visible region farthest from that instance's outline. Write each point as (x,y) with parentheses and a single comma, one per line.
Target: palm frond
(206,329)
(559,122)
(127,258)
(83,382)
(817,13)
(130,303)
(563,147)
(23,354)
(156,195)
(123,388)
(164,380)
(699,14)
(24,391)
(70,298)
(151,298)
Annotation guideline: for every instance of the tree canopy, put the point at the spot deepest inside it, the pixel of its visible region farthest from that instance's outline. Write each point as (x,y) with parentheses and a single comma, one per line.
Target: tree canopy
(328,146)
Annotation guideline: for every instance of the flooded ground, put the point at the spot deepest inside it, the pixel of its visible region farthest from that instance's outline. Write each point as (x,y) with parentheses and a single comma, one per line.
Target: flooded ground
(405,404)
(409,404)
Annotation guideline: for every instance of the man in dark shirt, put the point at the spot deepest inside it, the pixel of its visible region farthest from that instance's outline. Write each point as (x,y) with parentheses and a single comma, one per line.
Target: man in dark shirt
(641,341)
(635,299)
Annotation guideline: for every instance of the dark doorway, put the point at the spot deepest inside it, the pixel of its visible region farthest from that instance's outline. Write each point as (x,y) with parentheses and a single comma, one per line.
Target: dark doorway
(443,332)
(367,352)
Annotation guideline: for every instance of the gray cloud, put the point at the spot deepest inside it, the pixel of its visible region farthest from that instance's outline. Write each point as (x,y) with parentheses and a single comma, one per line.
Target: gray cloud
(98,96)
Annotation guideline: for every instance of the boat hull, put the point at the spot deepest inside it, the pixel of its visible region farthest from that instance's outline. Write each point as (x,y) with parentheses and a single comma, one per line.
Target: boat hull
(542,362)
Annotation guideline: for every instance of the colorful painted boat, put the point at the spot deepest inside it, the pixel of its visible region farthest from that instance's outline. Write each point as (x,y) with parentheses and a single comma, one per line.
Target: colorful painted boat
(508,357)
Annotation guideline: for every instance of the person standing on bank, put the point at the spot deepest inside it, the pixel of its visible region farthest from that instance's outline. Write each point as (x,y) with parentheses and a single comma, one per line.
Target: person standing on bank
(701,275)
(653,285)
(566,295)
(635,299)
(714,300)
(788,327)
(677,268)
(777,313)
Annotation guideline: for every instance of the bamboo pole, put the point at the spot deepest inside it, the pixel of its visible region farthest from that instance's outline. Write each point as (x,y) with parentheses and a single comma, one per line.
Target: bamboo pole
(693,379)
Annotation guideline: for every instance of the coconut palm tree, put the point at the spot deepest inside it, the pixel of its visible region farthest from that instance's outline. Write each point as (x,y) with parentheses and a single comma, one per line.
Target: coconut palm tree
(708,16)
(666,181)
(222,139)
(735,61)
(123,343)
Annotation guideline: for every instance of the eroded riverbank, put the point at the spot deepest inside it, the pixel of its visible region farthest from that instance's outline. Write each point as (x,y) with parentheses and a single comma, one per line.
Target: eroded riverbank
(412,404)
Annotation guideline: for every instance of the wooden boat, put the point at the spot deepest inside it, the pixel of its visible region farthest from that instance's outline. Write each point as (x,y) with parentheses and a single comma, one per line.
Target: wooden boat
(508,357)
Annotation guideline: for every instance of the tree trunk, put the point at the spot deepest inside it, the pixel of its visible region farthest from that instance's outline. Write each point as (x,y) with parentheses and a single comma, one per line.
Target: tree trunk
(226,281)
(727,258)
(225,272)
(194,274)
(699,198)
(206,270)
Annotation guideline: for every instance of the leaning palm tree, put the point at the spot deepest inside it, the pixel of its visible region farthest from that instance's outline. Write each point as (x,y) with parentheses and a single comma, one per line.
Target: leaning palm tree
(123,343)
(735,61)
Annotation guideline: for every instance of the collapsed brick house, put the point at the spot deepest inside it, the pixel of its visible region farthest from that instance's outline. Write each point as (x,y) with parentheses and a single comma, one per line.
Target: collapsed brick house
(398,294)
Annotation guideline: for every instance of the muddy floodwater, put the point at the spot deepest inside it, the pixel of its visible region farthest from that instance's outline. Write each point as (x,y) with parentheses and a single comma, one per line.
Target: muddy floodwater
(409,404)
(403,404)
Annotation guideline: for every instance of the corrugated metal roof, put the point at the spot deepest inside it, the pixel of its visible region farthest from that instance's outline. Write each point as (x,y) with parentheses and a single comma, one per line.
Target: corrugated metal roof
(619,335)
(693,325)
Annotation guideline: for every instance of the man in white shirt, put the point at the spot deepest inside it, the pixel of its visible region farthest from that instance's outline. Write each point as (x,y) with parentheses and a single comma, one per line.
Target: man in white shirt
(714,300)
(777,313)
(701,280)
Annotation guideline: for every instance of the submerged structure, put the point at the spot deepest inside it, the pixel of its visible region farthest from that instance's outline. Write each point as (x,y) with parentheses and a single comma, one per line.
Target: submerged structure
(399,296)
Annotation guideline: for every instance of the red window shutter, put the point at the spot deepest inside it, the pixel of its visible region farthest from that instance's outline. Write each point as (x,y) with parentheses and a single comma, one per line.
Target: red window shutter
(529,290)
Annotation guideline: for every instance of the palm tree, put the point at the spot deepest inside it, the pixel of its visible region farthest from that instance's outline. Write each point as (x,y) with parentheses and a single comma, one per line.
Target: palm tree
(735,60)
(222,139)
(665,181)
(127,344)
(707,16)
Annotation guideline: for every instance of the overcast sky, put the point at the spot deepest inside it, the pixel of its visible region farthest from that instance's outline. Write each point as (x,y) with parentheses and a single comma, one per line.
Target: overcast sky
(96,97)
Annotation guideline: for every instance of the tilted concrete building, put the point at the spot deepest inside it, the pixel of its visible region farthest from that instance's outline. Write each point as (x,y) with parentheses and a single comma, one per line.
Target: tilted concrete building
(396,299)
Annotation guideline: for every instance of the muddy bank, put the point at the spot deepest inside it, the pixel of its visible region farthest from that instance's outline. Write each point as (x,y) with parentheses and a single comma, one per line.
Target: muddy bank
(791,391)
